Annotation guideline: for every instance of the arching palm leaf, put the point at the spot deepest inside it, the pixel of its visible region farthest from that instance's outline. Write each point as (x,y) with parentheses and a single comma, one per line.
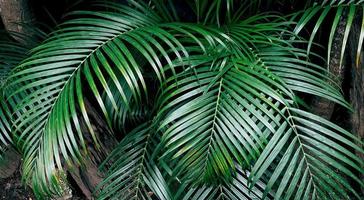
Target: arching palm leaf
(124,114)
(57,70)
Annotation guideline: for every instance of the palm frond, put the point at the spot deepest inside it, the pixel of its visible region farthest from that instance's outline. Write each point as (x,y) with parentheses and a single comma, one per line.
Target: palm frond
(237,189)
(12,53)
(124,115)
(313,160)
(55,72)
(227,108)
(133,174)
(205,131)
(300,75)
(87,51)
(223,96)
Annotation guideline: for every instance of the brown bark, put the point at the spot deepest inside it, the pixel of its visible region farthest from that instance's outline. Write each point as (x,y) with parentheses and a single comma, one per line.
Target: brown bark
(357,99)
(15,14)
(87,176)
(321,106)
(357,88)
(10,164)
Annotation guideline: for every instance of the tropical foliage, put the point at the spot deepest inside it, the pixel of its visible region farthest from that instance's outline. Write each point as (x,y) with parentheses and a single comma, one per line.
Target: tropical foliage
(209,106)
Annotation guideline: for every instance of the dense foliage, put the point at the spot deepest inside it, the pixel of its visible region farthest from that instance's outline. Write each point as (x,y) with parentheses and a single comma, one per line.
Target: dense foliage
(214,92)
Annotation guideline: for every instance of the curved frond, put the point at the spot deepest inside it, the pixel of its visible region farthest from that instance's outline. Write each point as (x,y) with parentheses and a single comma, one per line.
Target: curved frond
(101,52)
(202,134)
(226,107)
(56,72)
(125,114)
(300,75)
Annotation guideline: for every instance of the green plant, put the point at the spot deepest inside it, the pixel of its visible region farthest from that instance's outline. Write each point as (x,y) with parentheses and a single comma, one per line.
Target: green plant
(217,102)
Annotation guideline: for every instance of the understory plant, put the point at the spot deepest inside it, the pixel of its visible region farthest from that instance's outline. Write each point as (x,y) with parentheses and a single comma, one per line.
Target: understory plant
(207,98)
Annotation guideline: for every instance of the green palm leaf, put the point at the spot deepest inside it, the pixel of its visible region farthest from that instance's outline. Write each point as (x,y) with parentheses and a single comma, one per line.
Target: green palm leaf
(206,129)
(12,54)
(133,174)
(312,153)
(124,114)
(300,75)
(55,71)
(237,189)
(223,97)
(227,109)
(53,78)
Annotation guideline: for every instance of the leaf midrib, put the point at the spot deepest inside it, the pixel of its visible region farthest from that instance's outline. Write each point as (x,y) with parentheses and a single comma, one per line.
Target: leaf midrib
(55,101)
(213,124)
(141,166)
(302,150)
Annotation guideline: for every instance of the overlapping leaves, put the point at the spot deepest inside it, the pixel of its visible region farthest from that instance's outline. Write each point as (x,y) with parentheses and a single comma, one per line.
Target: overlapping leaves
(237,189)
(57,70)
(227,121)
(12,53)
(310,153)
(72,59)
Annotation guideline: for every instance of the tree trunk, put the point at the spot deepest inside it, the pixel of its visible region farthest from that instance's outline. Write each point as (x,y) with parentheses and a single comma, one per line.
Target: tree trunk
(355,79)
(357,88)
(10,164)
(321,106)
(87,176)
(15,14)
